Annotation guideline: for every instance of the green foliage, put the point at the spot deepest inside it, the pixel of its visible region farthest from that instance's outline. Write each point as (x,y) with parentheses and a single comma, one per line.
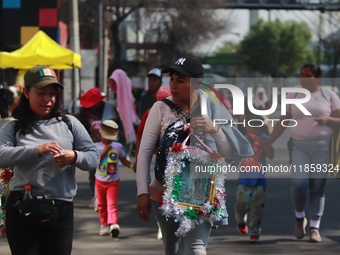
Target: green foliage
(228,47)
(277,48)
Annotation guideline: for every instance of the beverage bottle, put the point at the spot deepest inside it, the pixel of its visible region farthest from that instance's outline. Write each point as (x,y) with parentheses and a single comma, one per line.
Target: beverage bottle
(27,194)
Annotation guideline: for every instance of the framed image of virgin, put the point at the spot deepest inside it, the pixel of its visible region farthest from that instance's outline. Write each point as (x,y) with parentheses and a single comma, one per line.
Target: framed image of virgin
(197,187)
(195,191)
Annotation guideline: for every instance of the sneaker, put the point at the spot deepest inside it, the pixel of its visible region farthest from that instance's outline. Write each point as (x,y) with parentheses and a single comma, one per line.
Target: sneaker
(254,238)
(104,230)
(114,230)
(159,234)
(300,228)
(315,236)
(242,228)
(215,226)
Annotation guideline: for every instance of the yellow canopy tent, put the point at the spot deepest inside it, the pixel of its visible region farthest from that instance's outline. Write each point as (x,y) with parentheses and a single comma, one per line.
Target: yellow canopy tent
(40,50)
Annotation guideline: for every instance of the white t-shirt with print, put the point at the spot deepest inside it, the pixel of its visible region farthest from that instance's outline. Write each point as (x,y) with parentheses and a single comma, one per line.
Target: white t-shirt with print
(107,171)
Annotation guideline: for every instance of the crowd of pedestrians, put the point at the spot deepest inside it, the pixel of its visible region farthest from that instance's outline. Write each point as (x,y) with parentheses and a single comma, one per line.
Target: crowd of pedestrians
(100,136)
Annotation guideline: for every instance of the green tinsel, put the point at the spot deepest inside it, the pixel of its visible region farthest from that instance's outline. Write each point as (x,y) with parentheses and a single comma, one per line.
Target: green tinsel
(178,182)
(213,210)
(191,213)
(3,206)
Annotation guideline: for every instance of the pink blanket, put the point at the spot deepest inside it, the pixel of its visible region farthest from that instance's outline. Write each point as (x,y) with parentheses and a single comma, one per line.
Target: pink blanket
(125,104)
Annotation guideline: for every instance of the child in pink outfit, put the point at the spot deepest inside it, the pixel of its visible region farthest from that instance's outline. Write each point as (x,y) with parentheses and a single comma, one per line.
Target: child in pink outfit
(108,178)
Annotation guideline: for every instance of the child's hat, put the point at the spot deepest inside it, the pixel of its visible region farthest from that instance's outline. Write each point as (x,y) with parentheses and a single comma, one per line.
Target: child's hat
(109,130)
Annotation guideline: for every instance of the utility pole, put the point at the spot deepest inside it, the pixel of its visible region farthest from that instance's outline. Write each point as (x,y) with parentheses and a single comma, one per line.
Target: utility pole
(320,30)
(101,48)
(74,45)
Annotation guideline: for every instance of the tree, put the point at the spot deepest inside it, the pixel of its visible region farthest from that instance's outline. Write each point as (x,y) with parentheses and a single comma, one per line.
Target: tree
(185,24)
(228,47)
(329,41)
(173,27)
(277,48)
(119,11)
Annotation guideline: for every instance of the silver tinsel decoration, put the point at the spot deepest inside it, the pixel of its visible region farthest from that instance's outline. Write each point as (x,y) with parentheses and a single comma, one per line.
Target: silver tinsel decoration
(207,212)
(2,224)
(3,189)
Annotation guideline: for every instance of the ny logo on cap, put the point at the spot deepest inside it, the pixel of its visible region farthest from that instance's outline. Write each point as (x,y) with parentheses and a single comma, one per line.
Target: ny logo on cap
(180,61)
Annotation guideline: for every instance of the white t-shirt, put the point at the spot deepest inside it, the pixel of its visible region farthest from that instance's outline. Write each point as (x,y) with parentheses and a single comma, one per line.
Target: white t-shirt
(107,171)
(307,128)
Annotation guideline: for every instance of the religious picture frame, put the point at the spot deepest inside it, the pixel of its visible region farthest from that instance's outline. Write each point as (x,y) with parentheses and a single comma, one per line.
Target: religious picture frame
(197,187)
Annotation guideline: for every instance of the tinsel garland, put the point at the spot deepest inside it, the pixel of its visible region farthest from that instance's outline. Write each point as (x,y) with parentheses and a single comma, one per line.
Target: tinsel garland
(190,216)
(5,176)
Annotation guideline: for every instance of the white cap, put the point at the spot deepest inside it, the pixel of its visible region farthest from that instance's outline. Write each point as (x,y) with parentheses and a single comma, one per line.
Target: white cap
(109,130)
(157,72)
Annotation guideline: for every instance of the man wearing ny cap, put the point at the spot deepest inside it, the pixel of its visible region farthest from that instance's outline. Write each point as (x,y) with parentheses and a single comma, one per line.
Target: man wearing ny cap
(149,97)
(179,235)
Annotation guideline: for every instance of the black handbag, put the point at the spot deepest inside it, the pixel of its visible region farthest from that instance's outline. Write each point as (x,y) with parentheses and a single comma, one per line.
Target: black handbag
(38,211)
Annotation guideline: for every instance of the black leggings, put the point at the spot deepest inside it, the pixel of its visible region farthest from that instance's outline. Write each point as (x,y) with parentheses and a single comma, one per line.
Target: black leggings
(25,239)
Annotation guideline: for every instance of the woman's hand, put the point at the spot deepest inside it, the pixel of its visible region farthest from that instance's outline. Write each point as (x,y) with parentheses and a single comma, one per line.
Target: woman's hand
(322,120)
(50,147)
(107,147)
(203,124)
(144,206)
(68,157)
(61,157)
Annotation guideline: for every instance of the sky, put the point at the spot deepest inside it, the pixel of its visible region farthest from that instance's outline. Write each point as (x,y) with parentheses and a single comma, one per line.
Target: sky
(241,24)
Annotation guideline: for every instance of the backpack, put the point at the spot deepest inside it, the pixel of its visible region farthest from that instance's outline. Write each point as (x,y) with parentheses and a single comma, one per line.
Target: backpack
(175,132)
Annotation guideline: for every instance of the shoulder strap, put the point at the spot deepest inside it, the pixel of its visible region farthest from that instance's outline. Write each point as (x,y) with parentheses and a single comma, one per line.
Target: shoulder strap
(175,107)
(172,105)
(67,121)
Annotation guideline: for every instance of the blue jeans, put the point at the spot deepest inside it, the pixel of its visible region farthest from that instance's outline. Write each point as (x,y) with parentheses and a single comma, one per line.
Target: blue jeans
(304,154)
(193,243)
